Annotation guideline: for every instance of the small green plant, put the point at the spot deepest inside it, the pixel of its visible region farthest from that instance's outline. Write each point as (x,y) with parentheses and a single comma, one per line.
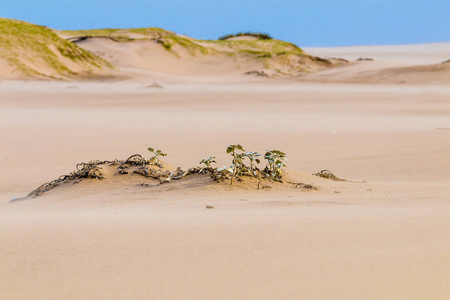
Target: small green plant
(253,157)
(221,173)
(275,160)
(208,161)
(154,159)
(238,154)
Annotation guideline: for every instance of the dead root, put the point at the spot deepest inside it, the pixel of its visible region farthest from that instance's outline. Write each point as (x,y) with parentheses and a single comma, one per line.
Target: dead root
(262,186)
(304,186)
(163,176)
(83,170)
(136,159)
(329,175)
(134,164)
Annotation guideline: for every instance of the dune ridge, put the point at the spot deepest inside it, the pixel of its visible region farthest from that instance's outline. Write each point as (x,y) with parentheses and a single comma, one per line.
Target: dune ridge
(32,51)
(395,64)
(270,56)
(43,52)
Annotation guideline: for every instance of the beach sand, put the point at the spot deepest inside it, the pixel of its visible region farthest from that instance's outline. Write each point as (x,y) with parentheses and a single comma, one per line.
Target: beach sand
(387,238)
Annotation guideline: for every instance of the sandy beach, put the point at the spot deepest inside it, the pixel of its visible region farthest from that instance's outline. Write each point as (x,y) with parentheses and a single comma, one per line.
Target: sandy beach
(386,236)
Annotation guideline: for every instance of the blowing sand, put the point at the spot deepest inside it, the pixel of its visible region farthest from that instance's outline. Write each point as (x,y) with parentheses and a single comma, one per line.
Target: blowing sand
(387,238)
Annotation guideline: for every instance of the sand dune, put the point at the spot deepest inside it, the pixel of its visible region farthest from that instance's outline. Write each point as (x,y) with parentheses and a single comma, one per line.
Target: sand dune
(180,55)
(40,52)
(404,64)
(32,51)
(157,54)
(369,72)
(389,66)
(396,55)
(429,74)
(120,177)
(152,58)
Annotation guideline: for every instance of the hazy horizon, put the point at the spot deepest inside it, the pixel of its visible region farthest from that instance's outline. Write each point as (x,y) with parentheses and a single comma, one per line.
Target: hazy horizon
(306,23)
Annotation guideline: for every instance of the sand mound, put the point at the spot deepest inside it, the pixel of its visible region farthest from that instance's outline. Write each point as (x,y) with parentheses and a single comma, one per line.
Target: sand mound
(150,56)
(396,64)
(136,174)
(36,51)
(429,74)
(382,73)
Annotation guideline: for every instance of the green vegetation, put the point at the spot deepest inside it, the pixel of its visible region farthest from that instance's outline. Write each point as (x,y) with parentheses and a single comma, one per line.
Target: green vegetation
(275,160)
(139,160)
(193,47)
(28,47)
(208,161)
(239,167)
(266,48)
(259,35)
(154,159)
(253,157)
(242,164)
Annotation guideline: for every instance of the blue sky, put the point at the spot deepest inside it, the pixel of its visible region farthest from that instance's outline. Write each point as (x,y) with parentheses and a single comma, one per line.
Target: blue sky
(303,22)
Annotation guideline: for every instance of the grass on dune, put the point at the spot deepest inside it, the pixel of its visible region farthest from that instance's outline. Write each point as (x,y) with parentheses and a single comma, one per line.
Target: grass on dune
(146,33)
(259,47)
(25,45)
